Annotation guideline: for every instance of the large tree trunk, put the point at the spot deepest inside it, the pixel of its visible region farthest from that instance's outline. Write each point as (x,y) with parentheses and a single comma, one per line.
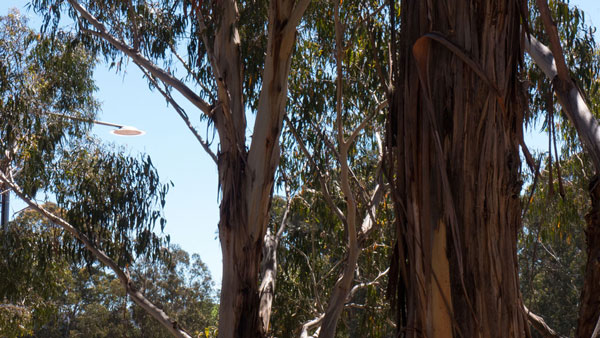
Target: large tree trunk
(453,139)
(247,177)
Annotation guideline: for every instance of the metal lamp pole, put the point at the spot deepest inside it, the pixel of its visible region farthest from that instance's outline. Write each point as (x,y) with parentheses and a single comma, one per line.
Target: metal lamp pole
(122,131)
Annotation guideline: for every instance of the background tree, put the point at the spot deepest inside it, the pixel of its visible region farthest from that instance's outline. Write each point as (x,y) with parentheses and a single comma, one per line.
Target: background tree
(47,293)
(238,57)
(582,65)
(108,201)
(552,247)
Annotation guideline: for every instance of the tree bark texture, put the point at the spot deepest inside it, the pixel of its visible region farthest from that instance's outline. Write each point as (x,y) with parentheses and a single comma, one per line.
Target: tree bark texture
(453,141)
(246,176)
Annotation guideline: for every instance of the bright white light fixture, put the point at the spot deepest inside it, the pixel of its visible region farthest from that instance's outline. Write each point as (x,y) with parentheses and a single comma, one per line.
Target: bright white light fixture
(121,131)
(127,131)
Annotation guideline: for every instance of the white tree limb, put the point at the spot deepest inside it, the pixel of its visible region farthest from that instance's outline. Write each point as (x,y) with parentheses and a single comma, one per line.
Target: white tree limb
(569,97)
(181,112)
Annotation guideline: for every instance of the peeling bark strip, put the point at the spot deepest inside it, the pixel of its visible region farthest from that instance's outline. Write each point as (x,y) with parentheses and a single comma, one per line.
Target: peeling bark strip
(455,156)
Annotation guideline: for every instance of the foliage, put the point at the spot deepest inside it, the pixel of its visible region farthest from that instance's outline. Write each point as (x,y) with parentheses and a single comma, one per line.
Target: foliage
(310,258)
(112,198)
(552,248)
(51,295)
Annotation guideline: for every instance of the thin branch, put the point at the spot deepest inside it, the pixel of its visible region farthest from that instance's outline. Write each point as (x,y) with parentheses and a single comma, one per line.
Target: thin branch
(137,57)
(364,122)
(296,16)
(328,197)
(181,113)
(310,324)
(312,277)
(540,325)
(359,286)
(551,29)
(339,46)
(171,325)
(190,71)
(536,172)
(319,319)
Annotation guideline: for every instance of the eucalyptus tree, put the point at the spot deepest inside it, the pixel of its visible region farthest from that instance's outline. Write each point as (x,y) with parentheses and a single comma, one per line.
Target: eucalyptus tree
(552,244)
(455,121)
(238,60)
(47,291)
(577,95)
(457,113)
(108,201)
(333,151)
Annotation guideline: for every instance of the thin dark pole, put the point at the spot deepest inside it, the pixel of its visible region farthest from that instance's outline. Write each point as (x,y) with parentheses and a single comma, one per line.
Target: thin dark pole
(5,204)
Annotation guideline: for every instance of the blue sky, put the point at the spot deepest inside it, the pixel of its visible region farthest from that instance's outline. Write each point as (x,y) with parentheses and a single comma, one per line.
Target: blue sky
(192,204)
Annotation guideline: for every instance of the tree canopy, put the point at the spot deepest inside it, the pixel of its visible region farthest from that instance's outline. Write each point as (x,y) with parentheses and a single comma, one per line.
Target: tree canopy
(370,169)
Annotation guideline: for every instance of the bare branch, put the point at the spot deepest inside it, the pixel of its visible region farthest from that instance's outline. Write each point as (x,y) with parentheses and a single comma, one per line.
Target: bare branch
(359,286)
(310,324)
(550,26)
(328,197)
(137,57)
(540,325)
(171,325)
(366,120)
(339,47)
(181,113)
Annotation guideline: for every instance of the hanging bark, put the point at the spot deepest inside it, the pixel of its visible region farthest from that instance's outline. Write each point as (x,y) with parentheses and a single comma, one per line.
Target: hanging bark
(455,159)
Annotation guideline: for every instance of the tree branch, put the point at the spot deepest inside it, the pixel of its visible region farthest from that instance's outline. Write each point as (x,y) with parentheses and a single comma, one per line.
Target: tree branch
(295,17)
(328,197)
(364,122)
(181,112)
(171,325)
(310,324)
(569,97)
(269,266)
(540,325)
(552,31)
(135,55)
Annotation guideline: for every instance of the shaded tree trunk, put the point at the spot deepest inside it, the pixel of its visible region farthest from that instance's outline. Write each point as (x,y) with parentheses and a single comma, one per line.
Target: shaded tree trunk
(590,294)
(246,177)
(455,168)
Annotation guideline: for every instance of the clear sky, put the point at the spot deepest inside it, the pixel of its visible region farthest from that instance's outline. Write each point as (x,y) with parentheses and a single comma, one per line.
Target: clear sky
(192,204)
